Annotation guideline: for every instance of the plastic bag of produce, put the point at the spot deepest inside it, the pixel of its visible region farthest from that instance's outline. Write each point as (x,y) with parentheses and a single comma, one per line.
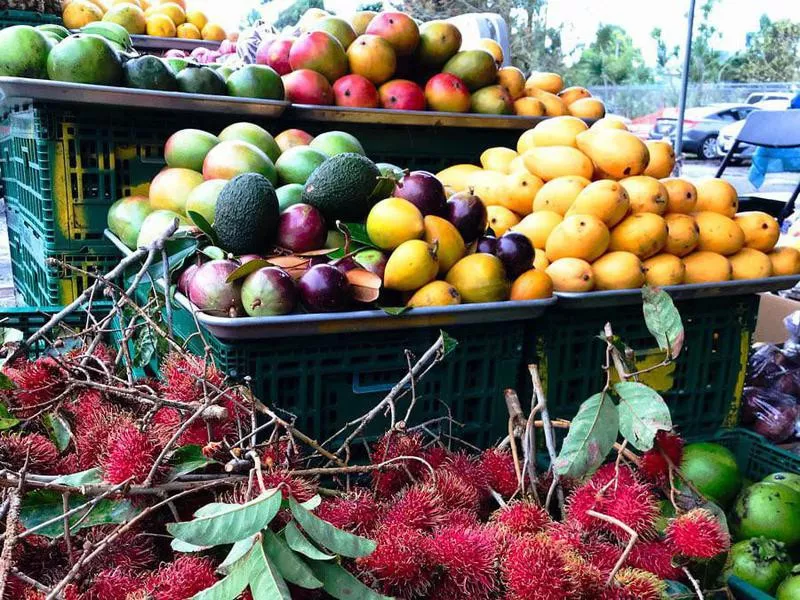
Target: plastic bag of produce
(770,413)
(766,364)
(250,40)
(791,348)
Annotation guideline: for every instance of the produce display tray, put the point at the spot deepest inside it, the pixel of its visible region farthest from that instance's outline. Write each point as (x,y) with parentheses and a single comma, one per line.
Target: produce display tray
(357,321)
(339,114)
(59,91)
(689,291)
(149,42)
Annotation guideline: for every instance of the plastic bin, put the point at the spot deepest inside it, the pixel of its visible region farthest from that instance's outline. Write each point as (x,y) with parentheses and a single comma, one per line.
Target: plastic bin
(26,17)
(29,319)
(702,387)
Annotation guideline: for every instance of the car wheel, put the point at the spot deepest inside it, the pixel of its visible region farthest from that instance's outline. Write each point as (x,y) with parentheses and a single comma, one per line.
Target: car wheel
(708,149)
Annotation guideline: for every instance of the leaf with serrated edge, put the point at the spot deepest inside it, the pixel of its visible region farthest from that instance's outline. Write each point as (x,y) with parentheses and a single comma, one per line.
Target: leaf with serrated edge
(642,412)
(300,543)
(312,502)
(265,581)
(328,536)
(342,585)
(289,565)
(227,527)
(181,546)
(663,320)
(591,437)
(238,551)
(229,587)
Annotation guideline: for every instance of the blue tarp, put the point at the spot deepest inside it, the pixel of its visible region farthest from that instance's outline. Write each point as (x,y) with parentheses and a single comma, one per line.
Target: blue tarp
(773,160)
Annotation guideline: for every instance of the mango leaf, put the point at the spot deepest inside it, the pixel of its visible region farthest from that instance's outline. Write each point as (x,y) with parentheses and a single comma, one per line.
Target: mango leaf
(300,543)
(591,437)
(395,311)
(203,226)
(81,478)
(449,344)
(237,552)
(663,320)
(42,505)
(7,420)
(312,502)
(328,536)
(178,250)
(228,526)
(642,412)
(250,266)
(58,428)
(342,585)
(230,586)
(265,581)
(187,459)
(181,546)
(214,252)
(289,565)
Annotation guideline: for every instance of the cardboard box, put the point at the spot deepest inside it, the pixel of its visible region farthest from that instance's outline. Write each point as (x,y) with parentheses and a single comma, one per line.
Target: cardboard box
(771,311)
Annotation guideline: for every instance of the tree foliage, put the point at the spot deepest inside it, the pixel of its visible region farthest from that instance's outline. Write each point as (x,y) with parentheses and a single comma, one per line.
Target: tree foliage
(609,60)
(706,60)
(772,54)
(292,15)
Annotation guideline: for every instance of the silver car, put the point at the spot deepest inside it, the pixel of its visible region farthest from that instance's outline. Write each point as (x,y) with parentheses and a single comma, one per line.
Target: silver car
(729,133)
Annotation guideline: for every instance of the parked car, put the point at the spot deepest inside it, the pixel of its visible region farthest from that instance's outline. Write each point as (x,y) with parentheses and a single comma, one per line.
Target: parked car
(701,127)
(757,97)
(729,133)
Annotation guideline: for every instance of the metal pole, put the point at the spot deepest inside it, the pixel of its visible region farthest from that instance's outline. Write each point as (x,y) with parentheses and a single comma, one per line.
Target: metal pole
(687,58)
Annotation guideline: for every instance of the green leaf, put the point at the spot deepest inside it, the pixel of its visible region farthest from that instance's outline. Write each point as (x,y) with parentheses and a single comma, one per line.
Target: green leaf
(300,543)
(289,565)
(181,546)
(6,383)
(7,420)
(450,343)
(89,476)
(591,437)
(214,252)
(642,412)
(213,508)
(10,336)
(342,585)
(358,234)
(144,347)
(178,250)
(395,311)
(265,581)
(312,502)
(250,266)
(237,552)
(228,526)
(230,586)
(58,428)
(663,320)
(187,459)
(203,226)
(42,505)
(328,536)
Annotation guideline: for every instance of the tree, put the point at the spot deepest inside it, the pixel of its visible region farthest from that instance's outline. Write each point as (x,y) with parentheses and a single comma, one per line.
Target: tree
(706,61)
(609,60)
(371,6)
(772,54)
(292,15)
(663,54)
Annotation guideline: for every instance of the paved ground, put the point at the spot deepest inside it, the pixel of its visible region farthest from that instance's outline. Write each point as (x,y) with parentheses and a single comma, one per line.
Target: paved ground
(779,185)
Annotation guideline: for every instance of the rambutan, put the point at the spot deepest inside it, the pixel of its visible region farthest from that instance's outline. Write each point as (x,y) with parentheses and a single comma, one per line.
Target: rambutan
(280,454)
(460,518)
(394,445)
(601,554)
(436,455)
(466,558)
(537,568)
(401,564)
(619,474)
(130,455)
(181,579)
(697,535)
(521,518)
(454,491)
(635,584)
(41,452)
(299,488)
(418,507)
(654,463)
(112,584)
(36,382)
(94,424)
(469,469)
(655,557)
(501,475)
(167,420)
(357,512)
(571,532)
(184,376)
(590,580)
(131,552)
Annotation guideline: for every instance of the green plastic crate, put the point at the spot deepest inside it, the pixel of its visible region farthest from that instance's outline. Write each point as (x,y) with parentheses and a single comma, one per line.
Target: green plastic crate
(63,166)
(9,18)
(29,319)
(702,387)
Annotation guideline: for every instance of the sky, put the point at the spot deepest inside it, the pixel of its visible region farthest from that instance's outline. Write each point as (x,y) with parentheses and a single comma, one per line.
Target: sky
(733,18)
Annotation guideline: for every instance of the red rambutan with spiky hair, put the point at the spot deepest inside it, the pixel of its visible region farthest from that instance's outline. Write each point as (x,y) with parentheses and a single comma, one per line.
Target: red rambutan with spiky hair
(454,491)
(94,424)
(299,488)
(537,568)
(656,558)
(132,552)
(357,512)
(570,532)
(36,382)
(182,578)
(466,559)
(130,454)
(621,474)
(654,463)
(697,535)
(460,518)
(468,469)
(601,554)
(590,580)
(635,584)
(113,584)
(394,445)
(43,456)
(498,465)
(418,507)
(280,454)
(401,564)
(184,375)
(168,420)
(436,455)
(521,518)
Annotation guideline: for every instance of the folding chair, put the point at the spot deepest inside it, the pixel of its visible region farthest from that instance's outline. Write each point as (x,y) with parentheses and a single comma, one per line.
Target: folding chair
(770,129)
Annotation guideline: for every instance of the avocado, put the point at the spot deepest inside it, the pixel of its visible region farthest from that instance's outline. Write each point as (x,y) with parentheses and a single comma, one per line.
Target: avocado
(194,79)
(246,215)
(342,187)
(149,73)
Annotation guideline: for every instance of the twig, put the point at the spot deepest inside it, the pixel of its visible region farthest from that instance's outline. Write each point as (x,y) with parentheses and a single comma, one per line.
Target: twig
(549,434)
(67,536)
(695,583)
(624,556)
(29,580)
(12,520)
(516,420)
(167,299)
(259,474)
